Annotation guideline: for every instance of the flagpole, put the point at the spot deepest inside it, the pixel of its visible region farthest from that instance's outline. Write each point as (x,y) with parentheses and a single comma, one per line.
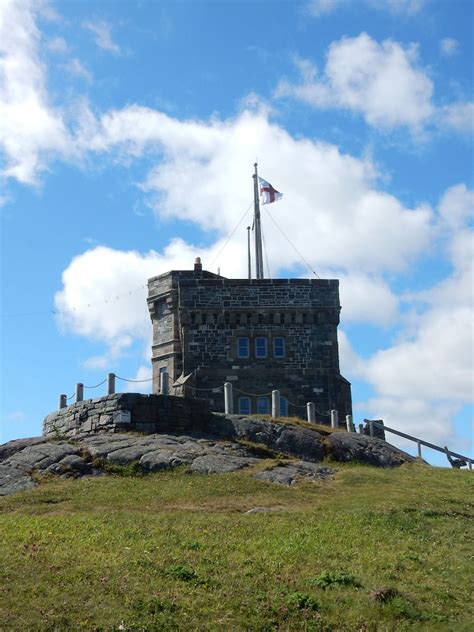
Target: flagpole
(249,254)
(258,228)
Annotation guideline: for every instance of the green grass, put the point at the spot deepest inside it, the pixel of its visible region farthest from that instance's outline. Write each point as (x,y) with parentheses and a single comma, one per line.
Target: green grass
(175,551)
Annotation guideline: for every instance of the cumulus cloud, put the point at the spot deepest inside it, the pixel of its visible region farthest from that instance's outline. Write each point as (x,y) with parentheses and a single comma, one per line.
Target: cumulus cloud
(367,299)
(203,175)
(102,36)
(31,128)
(383,82)
(425,377)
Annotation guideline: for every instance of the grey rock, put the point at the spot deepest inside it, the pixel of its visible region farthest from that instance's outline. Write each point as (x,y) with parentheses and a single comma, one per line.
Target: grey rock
(127,455)
(349,446)
(156,461)
(302,443)
(41,456)
(220,464)
(72,464)
(289,474)
(13,480)
(7,449)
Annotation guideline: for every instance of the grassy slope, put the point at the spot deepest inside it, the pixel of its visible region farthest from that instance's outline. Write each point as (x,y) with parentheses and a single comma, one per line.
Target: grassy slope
(175,551)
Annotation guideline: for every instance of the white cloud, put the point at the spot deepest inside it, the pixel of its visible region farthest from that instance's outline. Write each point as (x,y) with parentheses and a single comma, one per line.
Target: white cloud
(424,419)
(75,67)
(456,206)
(436,364)
(323,7)
(30,127)
(458,116)
(57,45)
(367,299)
(103,36)
(204,175)
(317,8)
(383,82)
(449,46)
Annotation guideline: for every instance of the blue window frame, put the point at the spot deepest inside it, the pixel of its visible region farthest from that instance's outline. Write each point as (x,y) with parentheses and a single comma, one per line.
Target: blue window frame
(263,405)
(244,405)
(260,347)
(283,407)
(243,347)
(279,347)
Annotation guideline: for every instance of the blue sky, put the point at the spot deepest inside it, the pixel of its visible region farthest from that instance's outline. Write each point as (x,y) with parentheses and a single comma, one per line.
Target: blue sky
(128,133)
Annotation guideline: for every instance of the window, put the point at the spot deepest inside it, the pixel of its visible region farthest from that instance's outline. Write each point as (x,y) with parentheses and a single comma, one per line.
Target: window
(244,405)
(243,347)
(160,308)
(260,347)
(263,405)
(163,370)
(283,407)
(279,347)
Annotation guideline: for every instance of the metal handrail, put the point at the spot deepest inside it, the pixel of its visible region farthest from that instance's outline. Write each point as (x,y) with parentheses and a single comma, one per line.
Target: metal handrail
(422,442)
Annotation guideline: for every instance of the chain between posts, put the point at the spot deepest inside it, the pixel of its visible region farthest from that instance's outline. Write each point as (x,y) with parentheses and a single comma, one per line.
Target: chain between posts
(252,394)
(96,385)
(124,379)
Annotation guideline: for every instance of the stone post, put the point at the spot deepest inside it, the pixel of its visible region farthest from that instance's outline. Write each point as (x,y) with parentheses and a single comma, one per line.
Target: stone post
(361,428)
(334,419)
(62,401)
(311,412)
(79,392)
(165,383)
(228,398)
(349,424)
(110,383)
(371,428)
(275,404)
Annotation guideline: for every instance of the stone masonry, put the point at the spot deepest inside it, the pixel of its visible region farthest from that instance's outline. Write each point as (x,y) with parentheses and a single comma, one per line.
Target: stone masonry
(259,334)
(129,412)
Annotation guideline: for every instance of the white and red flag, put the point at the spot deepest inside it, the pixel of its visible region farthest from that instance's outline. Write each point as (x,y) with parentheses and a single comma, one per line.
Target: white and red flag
(268,193)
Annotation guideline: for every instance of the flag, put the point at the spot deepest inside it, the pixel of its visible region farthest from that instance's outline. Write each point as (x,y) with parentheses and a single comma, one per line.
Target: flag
(268,193)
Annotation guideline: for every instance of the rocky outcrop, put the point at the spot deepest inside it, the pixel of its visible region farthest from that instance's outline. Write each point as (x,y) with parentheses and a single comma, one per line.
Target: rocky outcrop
(231,443)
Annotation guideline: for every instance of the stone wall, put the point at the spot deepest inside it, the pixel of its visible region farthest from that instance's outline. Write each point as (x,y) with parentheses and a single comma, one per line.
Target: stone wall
(198,317)
(132,412)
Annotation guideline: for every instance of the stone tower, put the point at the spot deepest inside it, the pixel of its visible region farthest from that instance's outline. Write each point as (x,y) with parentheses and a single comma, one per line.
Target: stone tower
(260,334)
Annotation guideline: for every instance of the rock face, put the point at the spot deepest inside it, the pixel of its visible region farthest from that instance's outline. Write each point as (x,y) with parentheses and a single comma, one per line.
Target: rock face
(231,443)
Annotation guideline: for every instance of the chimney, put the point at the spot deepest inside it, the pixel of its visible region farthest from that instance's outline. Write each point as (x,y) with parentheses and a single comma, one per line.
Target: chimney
(197,266)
